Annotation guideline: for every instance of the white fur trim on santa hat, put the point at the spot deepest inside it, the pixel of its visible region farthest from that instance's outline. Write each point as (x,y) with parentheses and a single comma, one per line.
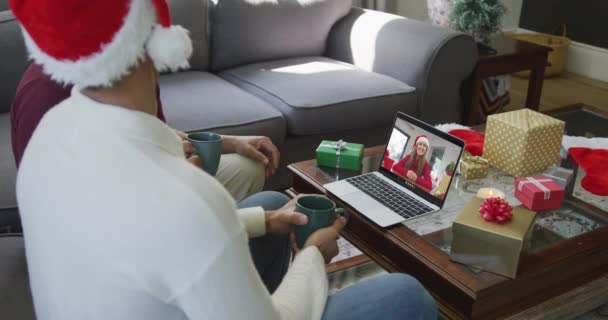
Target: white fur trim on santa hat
(424,140)
(169,48)
(447,127)
(125,51)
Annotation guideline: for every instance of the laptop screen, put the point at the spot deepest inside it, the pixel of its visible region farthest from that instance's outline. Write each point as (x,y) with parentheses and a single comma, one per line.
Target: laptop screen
(421,158)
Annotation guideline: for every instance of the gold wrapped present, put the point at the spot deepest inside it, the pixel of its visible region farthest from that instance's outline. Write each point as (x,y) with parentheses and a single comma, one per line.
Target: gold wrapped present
(490,246)
(442,187)
(473,167)
(522,142)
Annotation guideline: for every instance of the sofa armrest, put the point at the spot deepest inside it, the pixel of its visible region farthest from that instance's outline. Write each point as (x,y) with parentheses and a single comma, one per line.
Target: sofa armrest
(435,60)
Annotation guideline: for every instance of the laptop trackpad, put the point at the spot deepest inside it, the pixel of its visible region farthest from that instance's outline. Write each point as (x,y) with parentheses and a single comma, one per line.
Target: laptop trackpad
(361,201)
(341,188)
(372,209)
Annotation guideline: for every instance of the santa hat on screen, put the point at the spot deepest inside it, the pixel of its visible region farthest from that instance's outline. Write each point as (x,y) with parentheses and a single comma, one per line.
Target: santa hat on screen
(96,42)
(422,139)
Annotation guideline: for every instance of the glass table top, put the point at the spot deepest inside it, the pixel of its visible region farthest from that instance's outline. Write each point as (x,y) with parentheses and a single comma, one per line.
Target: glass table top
(550,227)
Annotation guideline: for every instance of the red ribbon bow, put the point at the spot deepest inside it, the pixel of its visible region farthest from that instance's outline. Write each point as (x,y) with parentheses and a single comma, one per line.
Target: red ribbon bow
(496,210)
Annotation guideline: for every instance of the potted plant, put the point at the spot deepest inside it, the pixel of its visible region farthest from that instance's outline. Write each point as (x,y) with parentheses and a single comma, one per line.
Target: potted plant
(449,170)
(480,18)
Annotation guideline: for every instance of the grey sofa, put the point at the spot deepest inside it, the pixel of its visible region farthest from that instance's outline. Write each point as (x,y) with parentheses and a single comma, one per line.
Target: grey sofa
(298,74)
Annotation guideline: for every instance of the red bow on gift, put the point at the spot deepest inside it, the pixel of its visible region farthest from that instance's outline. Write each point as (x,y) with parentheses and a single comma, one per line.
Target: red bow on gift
(496,210)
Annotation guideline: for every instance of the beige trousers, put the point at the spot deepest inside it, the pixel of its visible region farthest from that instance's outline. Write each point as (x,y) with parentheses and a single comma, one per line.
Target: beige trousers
(241,176)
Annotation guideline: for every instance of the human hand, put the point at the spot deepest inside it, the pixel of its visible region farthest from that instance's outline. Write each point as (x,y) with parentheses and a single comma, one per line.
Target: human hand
(283,220)
(325,239)
(411,175)
(258,148)
(189,150)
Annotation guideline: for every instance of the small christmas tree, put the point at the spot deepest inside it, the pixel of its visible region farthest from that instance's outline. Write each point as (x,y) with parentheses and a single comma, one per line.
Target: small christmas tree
(450,168)
(480,18)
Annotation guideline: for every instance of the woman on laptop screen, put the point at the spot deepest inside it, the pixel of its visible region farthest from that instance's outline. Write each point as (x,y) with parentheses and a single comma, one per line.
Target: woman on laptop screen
(414,166)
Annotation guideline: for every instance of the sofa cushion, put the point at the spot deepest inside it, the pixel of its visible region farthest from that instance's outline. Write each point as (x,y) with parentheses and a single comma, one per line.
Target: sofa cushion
(196,101)
(245,31)
(192,15)
(15,297)
(8,171)
(319,95)
(14,58)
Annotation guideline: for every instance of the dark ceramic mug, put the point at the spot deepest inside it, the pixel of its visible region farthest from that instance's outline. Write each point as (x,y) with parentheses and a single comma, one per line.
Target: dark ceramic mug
(321,213)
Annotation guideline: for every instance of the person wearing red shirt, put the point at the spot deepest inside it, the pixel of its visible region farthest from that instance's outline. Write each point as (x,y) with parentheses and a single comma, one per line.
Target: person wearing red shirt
(414,165)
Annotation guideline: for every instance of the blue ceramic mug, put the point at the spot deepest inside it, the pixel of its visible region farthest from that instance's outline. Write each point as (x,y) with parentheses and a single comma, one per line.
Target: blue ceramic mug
(208,146)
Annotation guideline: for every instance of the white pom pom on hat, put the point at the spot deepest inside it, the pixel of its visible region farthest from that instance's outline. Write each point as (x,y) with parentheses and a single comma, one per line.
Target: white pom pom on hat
(169,48)
(113,37)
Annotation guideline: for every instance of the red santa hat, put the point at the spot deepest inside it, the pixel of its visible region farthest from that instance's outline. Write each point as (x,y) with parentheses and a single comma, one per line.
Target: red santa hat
(96,42)
(421,139)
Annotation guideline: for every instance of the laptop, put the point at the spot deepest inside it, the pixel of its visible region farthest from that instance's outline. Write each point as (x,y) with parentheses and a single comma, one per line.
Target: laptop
(410,180)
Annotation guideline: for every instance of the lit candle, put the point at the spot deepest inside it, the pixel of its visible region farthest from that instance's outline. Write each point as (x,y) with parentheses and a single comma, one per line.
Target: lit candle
(485,193)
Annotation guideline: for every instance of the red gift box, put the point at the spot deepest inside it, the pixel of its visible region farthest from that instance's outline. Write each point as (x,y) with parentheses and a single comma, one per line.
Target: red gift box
(539,193)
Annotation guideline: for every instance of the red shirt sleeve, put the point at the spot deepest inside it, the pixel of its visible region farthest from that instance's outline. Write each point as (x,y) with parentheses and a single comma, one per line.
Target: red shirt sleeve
(31,103)
(159,112)
(399,168)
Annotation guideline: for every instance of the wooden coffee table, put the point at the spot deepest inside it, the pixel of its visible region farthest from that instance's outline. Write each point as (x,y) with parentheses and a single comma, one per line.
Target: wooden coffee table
(567,248)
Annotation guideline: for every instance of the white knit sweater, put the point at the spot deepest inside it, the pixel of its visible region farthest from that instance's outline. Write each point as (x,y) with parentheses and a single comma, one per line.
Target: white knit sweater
(119,226)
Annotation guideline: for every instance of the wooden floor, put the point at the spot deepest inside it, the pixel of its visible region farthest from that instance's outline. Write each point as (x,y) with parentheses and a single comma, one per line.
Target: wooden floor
(560,91)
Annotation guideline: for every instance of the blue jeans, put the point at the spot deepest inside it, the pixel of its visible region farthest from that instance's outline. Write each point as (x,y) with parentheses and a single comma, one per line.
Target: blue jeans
(391,296)
(386,297)
(271,252)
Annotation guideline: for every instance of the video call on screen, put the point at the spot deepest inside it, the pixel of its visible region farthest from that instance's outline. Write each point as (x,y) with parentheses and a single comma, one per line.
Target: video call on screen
(432,168)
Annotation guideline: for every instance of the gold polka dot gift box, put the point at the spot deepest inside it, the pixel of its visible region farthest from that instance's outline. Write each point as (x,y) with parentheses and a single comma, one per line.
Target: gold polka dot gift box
(522,142)
(472,167)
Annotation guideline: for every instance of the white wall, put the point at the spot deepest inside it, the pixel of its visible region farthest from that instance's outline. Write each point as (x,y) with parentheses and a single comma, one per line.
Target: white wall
(585,60)
(417,9)
(511,19)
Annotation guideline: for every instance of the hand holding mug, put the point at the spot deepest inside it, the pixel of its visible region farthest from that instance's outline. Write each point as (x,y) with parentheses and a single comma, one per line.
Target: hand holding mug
(192,157)
(208,146)
(189,150)
(326,239)
(282,221)
(321,213)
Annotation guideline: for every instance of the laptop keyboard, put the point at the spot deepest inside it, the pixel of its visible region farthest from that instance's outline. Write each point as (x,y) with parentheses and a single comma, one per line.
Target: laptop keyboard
(385,193)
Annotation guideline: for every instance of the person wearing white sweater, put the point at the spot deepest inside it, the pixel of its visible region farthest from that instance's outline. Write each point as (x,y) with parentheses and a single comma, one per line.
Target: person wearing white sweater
(118,225)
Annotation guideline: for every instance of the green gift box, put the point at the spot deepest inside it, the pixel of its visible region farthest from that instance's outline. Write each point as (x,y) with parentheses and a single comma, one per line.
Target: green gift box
(339,154)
